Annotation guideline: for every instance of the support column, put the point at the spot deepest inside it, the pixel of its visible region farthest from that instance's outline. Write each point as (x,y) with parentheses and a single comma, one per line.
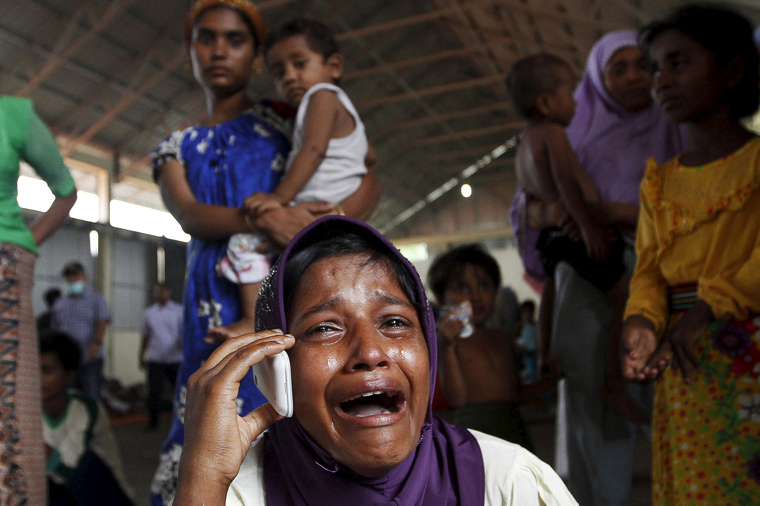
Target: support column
(104,260)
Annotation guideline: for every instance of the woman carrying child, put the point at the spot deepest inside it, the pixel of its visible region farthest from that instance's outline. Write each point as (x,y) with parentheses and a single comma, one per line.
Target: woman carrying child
(330,152)
(616,128)
(205,172)
(695,299)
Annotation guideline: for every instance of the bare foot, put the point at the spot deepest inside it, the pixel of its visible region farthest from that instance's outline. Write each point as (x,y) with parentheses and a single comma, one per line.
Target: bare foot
(243,326)
(614,396)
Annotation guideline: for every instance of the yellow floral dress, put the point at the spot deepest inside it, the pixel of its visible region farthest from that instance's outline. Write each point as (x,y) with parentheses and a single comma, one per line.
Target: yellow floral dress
(701,226)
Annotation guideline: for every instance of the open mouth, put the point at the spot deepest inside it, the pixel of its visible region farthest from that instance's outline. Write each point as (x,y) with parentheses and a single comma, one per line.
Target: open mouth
(371,404)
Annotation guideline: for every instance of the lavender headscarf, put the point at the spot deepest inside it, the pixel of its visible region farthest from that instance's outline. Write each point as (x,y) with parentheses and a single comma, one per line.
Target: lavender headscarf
(446,468)
(613,143)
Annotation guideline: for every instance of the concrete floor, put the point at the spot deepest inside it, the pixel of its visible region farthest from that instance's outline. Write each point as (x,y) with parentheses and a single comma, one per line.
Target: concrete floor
(140,452)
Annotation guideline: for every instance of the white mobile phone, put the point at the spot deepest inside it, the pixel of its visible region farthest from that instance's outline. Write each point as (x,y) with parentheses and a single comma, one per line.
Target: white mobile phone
(272,378)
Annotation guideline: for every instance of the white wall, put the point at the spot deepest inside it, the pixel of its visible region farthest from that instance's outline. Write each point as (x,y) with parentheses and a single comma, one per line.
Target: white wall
(122,352)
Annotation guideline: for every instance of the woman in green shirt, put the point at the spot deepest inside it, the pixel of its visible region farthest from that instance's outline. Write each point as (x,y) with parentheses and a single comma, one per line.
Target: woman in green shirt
(23,136)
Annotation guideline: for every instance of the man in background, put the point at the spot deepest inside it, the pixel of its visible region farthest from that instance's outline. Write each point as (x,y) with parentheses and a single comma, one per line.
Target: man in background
(84,315)
(161,346)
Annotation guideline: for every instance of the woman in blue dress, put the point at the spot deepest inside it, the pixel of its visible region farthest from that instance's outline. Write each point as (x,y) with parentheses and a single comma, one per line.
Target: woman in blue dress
(206,171)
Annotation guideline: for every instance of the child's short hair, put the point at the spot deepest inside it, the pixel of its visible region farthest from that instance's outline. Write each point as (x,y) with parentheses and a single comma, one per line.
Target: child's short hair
(319,37)
(530,77)
(528,304)
(727,35)
(65,348)
(451,264)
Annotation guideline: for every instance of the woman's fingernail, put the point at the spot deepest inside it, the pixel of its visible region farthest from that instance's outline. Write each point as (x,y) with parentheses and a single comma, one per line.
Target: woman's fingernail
(279,341)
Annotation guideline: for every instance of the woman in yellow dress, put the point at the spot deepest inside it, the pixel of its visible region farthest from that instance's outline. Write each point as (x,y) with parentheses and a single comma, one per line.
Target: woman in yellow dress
(695,294)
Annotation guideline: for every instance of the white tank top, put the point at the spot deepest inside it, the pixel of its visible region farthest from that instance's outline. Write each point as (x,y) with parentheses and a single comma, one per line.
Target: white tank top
(342,170)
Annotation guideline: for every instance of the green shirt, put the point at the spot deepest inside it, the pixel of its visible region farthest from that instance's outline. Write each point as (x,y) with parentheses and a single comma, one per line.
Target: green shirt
(23,136)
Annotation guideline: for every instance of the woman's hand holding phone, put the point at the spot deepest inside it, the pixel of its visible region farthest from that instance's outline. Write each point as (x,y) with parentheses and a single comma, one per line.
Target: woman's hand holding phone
(216,437)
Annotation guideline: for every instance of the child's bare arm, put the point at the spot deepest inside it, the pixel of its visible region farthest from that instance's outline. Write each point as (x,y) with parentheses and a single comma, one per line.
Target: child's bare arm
(371,159)
(451,376)
(545,312)
(319,120)
(259,203)
(453,384)
(565,165)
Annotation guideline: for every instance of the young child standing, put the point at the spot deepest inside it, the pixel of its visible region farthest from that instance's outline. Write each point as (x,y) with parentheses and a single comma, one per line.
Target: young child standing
(695,293)
(541,90)
(83,462)
(330,152)
(478,370)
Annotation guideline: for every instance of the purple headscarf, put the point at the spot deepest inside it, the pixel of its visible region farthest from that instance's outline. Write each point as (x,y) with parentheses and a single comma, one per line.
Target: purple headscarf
(613,143)
(446,467)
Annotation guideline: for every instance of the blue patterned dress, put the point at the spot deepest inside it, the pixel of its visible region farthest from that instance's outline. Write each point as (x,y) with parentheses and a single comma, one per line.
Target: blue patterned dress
(224,164)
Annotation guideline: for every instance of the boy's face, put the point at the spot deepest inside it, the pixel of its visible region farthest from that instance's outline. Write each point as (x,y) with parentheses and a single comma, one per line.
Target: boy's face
(560,105)
(474,285)
(295,68)
(54,378)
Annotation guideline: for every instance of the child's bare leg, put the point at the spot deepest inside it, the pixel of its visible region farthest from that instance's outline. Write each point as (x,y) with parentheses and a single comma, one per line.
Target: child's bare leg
(547,362)
(249,294)
(613,392)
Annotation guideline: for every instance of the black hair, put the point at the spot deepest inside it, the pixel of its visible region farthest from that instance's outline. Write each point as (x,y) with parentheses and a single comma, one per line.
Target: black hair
(64,347)
(72,269)
(450,265)
(347,243)
(319,37)
(51,295)
(727,35)
(530,77)
(528,304)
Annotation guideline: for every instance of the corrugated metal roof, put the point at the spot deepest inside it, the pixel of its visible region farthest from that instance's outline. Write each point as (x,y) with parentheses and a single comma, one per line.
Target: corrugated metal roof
(426,75)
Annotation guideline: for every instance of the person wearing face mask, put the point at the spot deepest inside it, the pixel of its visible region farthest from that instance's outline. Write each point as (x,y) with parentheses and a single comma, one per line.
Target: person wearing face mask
(83,314)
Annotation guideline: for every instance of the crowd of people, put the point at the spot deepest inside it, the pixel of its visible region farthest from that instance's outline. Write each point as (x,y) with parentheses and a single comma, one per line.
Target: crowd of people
(634,180)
